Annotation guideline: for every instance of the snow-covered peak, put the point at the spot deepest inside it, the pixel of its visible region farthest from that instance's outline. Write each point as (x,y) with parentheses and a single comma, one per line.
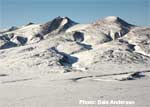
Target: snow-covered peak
(57,25)
(111,18)
(114,20)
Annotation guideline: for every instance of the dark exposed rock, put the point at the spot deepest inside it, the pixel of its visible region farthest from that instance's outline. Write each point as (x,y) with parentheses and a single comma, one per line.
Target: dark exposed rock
(133,76)
(30,23)
(13,28)
(22,40)
(39,36)
(66,60)
(78,36)
(7,44)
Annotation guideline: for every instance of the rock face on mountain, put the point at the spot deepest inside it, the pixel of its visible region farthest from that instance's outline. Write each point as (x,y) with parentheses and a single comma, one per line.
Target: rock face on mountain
(113,26)
(4,43)
(140,37)
(62,44)
(57,25)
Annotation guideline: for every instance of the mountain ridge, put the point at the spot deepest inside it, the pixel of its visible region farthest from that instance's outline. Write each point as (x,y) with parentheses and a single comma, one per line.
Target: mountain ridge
(62,45)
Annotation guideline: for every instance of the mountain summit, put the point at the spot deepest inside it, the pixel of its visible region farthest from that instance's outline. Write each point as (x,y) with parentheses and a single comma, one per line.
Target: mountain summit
(114,20)
(57,25)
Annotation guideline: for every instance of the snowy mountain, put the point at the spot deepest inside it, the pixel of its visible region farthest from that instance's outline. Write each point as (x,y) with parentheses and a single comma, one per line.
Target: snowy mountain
(62,45)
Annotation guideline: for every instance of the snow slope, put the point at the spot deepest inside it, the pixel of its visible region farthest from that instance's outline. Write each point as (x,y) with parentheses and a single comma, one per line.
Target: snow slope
(60,62)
